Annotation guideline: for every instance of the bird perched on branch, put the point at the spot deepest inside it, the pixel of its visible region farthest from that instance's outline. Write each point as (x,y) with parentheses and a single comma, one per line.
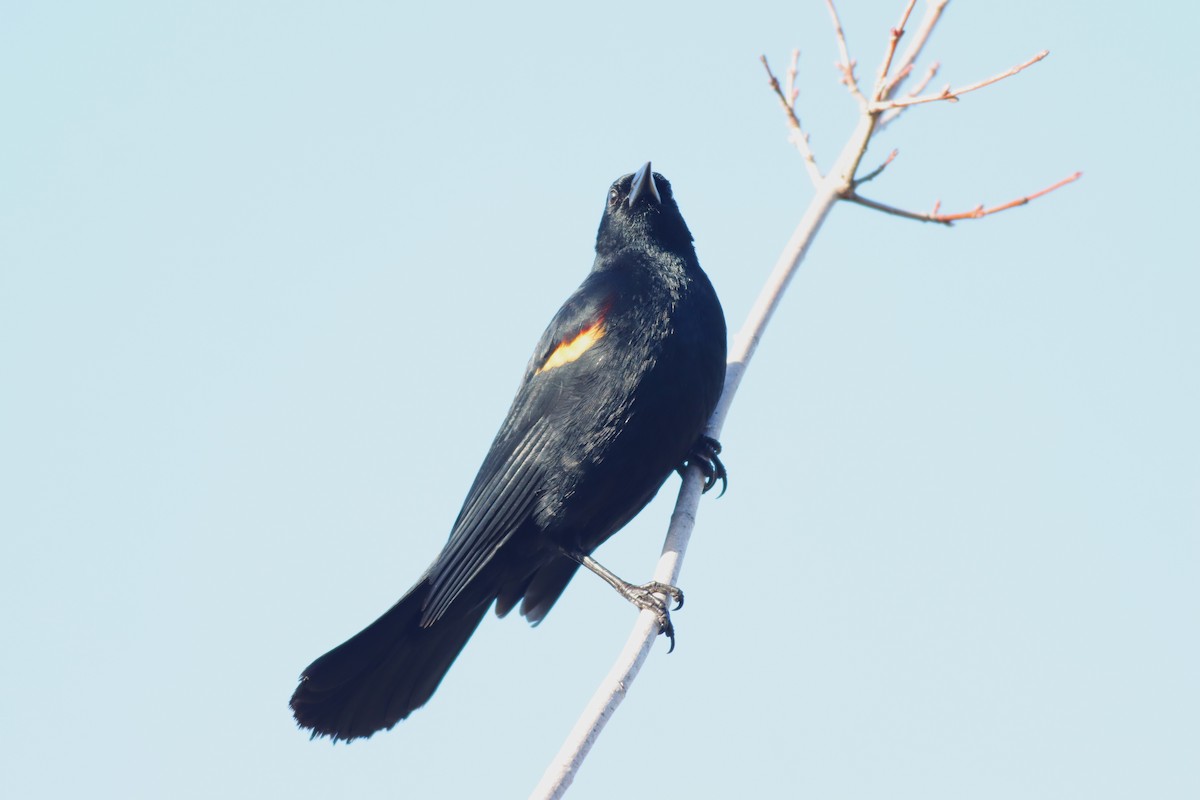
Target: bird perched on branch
(615,398)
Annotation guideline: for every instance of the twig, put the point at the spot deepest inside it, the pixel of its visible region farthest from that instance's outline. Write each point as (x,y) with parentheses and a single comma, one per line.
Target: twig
(846,65)
(797,135)
(881,81)
(953,94)
(904,67)
(929,75)
(854,197)
(791,91)
(948,219)
(873,174)
(900,75)
(887,117)
(979,211)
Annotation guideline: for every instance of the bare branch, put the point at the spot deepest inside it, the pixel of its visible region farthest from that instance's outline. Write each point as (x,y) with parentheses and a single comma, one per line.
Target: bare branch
(887,117)
(791,90)
(979,211)
(904,68)
(900,75)
(797,135)
(952,95)
(839,184)
(873,174)
(846,66)
(854,197)
(935,215)
(929,75)
(881,80)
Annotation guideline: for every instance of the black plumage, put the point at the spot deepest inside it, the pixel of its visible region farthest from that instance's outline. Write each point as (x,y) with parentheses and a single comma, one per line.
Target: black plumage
(615,398)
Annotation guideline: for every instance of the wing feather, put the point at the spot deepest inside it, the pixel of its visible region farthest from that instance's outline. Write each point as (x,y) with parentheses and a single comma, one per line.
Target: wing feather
(497,506)
(514,473)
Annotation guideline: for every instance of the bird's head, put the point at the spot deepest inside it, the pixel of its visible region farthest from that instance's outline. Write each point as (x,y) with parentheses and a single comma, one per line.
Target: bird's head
(641,208)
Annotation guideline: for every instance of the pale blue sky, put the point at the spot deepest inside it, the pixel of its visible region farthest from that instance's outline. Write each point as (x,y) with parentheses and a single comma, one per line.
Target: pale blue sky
(269,274)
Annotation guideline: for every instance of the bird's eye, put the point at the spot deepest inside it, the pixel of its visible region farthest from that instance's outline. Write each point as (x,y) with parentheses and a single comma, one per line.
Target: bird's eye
(613,197)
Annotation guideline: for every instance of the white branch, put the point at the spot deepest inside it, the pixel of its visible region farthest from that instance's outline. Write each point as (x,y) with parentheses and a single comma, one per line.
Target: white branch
(612,690)
(838,184)
(904,66)
(953,94)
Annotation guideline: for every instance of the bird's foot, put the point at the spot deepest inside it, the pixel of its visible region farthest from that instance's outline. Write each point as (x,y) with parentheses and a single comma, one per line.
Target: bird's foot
(652,597)
(705,456)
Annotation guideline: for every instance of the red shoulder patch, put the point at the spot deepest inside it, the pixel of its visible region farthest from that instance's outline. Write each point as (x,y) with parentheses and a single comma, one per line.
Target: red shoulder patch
(573,347)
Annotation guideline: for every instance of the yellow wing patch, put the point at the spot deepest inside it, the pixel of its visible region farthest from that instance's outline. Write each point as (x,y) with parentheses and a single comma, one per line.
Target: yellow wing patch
(570,349)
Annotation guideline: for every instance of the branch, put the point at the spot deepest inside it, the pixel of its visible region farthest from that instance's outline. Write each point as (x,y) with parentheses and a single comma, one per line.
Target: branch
(949,219)
(887,117)
(905,66)
(979,211)
(875,173)
(613,688)
(952,95)
(881,82)
(846,65)
(854,197)
(797,136)
(792,91)
(839,184)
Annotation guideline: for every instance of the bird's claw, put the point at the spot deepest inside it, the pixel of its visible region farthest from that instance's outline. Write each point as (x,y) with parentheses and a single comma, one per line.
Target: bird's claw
(657,588)
(705,456)
(652,597)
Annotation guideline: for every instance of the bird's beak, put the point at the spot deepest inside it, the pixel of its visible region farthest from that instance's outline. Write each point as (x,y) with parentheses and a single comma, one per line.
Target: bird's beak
(643,184)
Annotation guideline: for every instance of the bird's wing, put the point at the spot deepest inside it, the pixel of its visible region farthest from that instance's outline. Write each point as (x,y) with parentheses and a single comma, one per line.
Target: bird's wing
(513,474)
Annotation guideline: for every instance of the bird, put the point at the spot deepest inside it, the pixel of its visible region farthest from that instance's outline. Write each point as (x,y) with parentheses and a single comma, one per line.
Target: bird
(615,398)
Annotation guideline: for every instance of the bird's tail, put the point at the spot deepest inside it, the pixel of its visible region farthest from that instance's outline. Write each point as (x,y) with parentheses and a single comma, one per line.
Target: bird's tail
(385,672)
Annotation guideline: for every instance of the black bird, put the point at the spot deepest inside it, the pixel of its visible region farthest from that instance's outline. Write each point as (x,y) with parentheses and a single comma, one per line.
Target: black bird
(615,398)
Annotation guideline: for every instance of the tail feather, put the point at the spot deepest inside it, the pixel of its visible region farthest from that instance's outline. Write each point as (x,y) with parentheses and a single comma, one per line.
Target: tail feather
(539,591)
(382,674)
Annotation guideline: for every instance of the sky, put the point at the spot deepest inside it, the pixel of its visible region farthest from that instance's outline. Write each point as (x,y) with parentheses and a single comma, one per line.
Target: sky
(270,273)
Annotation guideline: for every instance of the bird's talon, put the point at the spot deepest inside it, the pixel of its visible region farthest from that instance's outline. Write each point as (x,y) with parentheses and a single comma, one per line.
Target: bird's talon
(650,597)
(705,456)
(674,592)
(665,628)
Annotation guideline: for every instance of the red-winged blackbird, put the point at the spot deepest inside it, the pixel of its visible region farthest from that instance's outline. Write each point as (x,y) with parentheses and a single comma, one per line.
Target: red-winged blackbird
(615,398)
